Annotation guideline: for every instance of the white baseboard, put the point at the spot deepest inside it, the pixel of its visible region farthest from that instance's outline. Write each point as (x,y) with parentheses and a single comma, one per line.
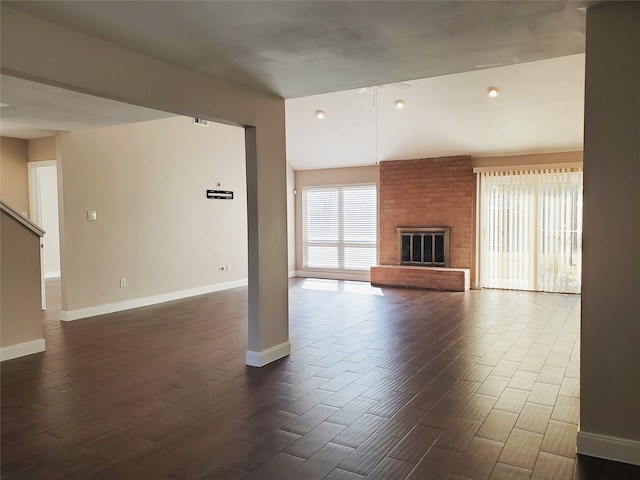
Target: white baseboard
(146,301)
(292,273)
(52,274)
(260,359)
(612,448)
(21,349)
(336,275)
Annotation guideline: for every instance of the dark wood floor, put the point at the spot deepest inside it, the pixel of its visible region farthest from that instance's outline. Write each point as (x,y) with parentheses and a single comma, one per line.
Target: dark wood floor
(382,384)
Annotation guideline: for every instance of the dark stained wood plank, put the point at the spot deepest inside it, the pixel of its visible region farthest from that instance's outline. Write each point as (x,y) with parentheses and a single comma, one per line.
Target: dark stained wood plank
(410,384)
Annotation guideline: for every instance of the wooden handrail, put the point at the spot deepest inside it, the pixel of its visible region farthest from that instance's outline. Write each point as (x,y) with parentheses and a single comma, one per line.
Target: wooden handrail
(24,221)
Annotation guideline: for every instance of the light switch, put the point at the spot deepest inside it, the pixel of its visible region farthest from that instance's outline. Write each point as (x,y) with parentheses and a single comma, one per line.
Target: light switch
(92,216)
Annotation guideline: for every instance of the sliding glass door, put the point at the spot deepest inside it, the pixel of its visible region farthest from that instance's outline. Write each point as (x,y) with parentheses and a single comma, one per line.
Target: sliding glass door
(560,231)
(531,229)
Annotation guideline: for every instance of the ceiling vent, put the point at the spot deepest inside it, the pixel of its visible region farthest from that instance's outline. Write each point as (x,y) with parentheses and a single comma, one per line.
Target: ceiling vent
(201,122)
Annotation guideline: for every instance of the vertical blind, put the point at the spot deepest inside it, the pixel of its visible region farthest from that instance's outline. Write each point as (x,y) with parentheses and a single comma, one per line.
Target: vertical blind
(339,227)
(531,223)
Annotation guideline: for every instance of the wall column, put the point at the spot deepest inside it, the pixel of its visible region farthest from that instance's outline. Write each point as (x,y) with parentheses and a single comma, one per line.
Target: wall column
(42,51)
(610,338)
(268,266)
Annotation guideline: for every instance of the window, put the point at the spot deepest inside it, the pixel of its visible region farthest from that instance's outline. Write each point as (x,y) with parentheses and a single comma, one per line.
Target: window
(532,230)
(339,227)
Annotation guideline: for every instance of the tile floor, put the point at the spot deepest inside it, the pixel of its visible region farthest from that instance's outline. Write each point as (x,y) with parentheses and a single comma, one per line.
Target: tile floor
(381,384)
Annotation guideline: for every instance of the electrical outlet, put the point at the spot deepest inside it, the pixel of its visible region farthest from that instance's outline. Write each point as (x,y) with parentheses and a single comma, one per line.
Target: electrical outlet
(123,282)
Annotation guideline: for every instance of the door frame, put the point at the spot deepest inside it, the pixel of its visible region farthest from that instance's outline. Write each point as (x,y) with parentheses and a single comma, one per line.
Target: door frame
(35,214)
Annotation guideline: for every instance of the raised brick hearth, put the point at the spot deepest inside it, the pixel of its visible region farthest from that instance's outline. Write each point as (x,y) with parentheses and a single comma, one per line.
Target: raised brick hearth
(428,192)
(431,278)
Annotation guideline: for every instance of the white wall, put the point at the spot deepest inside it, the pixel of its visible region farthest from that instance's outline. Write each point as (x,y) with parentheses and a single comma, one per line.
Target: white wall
(48,182)
(155,227)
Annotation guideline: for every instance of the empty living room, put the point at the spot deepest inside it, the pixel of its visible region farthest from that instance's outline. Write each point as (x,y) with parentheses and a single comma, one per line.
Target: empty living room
(319,240)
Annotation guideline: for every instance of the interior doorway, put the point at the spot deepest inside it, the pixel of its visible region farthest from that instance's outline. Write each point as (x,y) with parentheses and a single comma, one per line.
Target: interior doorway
(43,206)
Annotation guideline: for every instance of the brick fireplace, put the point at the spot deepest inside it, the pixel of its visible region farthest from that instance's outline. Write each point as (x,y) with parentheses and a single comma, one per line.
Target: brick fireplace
(425,195)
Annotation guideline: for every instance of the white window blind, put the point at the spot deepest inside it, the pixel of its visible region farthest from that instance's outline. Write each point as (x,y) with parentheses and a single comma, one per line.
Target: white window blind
(339,227)
(532,229)
(508,218)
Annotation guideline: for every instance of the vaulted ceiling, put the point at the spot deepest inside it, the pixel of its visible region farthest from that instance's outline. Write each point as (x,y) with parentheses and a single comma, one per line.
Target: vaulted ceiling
(540,108)
(299,49)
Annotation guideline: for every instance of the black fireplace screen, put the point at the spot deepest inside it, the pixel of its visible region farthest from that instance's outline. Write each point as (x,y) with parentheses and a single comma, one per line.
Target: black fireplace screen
(423,246)
(423,249)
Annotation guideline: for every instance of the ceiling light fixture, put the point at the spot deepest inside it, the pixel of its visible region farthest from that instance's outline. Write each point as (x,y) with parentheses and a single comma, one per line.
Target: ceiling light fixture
(320,114)
(493,92)
(399,104)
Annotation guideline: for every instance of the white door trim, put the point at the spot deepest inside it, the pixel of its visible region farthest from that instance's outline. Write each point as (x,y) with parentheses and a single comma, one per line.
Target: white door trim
(34,189)
(35,214)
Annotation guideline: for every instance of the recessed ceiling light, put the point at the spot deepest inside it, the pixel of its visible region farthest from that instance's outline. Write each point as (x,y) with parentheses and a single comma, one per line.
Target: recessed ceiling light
(320,114)
(493,92)
(399,104)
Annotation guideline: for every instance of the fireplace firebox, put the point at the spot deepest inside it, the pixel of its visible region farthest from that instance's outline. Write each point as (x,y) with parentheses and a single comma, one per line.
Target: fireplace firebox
(423,246)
